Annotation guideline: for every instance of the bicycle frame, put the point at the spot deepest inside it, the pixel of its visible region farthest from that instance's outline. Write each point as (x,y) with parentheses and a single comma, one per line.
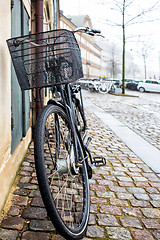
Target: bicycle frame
(66,103)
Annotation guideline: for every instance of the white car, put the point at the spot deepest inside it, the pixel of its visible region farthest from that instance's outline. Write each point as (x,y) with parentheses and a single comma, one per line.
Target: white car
(149,85)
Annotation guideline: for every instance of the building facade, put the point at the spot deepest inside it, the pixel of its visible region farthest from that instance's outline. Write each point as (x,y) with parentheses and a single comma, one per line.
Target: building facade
(90,51)
(16,114)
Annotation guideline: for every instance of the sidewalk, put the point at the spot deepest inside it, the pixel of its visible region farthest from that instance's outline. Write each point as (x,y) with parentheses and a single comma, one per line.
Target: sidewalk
(125,196)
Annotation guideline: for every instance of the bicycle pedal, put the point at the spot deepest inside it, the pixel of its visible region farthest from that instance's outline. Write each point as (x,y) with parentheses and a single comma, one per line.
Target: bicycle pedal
(99,161)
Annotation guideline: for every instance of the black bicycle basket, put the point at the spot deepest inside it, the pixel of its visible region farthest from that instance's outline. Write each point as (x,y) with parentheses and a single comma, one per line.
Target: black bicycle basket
(46,59)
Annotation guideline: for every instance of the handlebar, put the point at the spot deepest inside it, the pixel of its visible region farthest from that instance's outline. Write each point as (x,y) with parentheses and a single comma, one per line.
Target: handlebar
(90,31)
(87,30)
(95,30)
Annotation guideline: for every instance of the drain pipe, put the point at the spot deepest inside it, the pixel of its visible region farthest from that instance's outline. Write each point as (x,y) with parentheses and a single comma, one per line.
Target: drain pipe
(58,14)
(39,15)
(39,28)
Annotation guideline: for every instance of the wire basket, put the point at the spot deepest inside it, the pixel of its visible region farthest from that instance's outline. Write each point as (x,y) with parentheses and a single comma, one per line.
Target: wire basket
(46,59)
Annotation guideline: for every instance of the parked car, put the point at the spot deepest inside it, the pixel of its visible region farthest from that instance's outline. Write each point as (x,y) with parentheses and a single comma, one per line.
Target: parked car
(127,80)
(149,85)
(132,85)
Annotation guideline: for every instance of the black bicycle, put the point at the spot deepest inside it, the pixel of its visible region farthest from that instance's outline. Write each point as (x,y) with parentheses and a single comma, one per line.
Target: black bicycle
(52,59)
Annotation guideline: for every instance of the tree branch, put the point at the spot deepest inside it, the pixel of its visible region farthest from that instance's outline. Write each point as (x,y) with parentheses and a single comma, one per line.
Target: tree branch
(113,24)
(143,21)
(131,2)
(145,11)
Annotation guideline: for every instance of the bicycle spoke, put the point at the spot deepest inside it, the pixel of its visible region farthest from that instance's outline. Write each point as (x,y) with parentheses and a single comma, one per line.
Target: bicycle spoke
(66,189)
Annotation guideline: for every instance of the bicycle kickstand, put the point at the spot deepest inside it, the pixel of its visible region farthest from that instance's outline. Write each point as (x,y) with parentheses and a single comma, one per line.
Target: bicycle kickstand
(97,161)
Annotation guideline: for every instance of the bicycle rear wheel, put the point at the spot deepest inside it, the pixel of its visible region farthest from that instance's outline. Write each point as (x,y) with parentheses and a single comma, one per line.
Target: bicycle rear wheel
(64,187)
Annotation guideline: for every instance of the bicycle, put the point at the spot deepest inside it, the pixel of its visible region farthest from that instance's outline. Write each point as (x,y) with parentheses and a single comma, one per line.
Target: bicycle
(52,59)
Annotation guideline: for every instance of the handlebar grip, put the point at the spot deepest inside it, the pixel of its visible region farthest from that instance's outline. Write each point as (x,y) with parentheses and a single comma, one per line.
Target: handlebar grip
(91,33)
(95,30)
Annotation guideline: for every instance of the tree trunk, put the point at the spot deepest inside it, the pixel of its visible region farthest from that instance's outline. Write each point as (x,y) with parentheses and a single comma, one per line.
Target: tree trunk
(123,56)
(145,67)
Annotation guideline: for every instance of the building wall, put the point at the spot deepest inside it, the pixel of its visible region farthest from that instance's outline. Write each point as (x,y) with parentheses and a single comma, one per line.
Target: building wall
(5,99)
(90,52)
(9,163)
(91,58)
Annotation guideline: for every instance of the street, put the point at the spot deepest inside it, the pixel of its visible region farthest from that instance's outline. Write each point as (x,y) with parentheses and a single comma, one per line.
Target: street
(140,112)
(124,194)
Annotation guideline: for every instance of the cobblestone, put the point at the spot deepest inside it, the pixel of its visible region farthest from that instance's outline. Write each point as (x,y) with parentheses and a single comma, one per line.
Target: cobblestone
(8,234)
(110,210)
(14,211)
(151,223)
(92,220)
(118,233)
(118,202)
(156,234)
(35,235)
(107,220)
(141,196)
(105,194)
(151,213)
(130,222)
(95,232)
(34,213)
(156,204)
(125,194)
(141,234)
(20,200)
(139,203)
(41,225)
(134,212)
(13,223)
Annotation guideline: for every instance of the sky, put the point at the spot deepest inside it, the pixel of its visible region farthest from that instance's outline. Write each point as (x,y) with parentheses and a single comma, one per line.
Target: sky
(104,12)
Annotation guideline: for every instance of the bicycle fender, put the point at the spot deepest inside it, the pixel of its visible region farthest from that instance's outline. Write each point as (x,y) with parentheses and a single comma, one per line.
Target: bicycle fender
(52,101)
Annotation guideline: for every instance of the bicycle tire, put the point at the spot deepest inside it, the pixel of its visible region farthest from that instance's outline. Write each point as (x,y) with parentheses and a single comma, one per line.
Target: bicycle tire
(103,90)
(65,196)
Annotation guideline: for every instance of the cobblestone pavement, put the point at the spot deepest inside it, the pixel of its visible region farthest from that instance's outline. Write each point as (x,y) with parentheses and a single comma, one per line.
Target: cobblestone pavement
(125,195)
(141,114)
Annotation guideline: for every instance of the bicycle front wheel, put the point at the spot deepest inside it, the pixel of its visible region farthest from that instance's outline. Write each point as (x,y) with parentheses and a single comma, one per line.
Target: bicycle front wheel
(63,186)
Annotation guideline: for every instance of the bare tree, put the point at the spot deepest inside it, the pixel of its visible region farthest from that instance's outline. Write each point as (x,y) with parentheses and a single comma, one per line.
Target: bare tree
(113,62)
(127,20)
(110,58)
(144,53)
